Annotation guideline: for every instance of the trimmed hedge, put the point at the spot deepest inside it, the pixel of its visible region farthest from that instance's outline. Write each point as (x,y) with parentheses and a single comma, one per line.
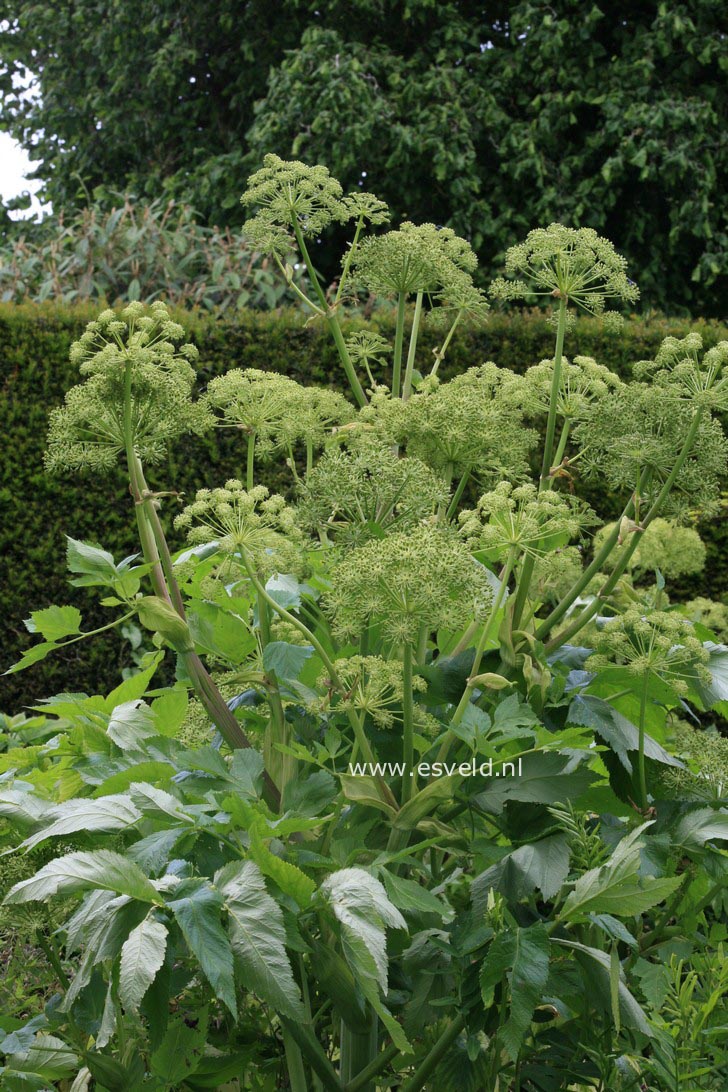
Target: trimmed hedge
(36,511)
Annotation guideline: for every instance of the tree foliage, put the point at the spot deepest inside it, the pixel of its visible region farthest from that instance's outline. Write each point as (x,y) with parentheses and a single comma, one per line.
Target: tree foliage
(487,117)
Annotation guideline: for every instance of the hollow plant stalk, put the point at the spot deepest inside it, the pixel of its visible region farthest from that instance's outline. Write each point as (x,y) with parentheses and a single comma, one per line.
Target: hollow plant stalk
(331,319)
(156,554)
(524,582)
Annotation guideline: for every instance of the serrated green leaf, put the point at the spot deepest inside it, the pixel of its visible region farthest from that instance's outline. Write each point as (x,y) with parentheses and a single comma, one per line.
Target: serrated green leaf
(102,868)
(197,910)
(142,955)
(258,936)
(106,813)
(286,660)
(617,887)
(32,656)
(180,1052)
(523,956)
(53,623)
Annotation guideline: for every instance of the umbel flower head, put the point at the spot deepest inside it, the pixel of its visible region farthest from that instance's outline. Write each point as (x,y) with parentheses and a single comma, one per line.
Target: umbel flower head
(406,581)
(275,409)
(469,423)
(522,519)
(353,496)
(675,551)
(583,381)
(250,526)
(643,428)
(571,264)
(289,194)
(415,258)
(702,379)
(137,352)
(366,348)
(459,300)
(662,644)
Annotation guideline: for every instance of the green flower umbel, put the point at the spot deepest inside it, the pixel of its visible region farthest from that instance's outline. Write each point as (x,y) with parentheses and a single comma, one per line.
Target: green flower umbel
(662,644)
(353,496)
(407,581)
(250,526)
(141,351)
(571,264)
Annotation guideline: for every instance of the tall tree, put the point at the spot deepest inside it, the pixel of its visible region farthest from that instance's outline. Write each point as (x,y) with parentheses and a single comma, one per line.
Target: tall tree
(491,117)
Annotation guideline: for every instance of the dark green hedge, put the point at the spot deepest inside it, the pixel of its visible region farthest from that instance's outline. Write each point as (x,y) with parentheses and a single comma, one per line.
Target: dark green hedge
(37,511)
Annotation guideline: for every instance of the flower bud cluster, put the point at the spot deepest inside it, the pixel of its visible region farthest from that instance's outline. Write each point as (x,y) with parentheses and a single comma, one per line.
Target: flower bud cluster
(139,351)
(678,365)
(641,427)
(415,258)
(519,517)
(572,264)
(406,581)
(583,381)
(373,687)
(662,644)
(471,423)
(275,409)
(353,496)
(257,528)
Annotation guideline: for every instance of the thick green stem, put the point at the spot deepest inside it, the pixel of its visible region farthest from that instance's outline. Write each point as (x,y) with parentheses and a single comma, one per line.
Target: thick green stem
(282,766)
(156,554)
(641,742)
(458,494)
(412,350)
(440,354)
(331,319)
(408,733)
(398,345)
(479,651)
(315,1055)
(250,462)
(554,399)
(559,456)
(433,1059)
(364,1077)
(354,720)
(358,1050)
(524,582)
(297,1080)
(595,566)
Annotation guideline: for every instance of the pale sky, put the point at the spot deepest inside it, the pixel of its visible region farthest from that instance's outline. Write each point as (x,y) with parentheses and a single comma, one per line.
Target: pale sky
(14,165)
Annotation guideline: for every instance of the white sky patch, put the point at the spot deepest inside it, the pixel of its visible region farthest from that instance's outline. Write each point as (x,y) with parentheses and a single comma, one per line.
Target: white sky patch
(15,165)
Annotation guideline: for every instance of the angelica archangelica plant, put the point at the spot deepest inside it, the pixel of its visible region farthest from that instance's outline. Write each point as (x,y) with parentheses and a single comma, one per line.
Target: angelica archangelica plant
(679,367)
(353,496)
(141,350)
(409,584)
(571,264)
(137,398)
(373,687)
(291,197)
(274,413)
(414,260)
(661,645)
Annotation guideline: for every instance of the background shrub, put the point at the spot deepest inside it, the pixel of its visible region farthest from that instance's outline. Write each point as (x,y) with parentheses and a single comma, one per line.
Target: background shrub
(36,511)
(137,250)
